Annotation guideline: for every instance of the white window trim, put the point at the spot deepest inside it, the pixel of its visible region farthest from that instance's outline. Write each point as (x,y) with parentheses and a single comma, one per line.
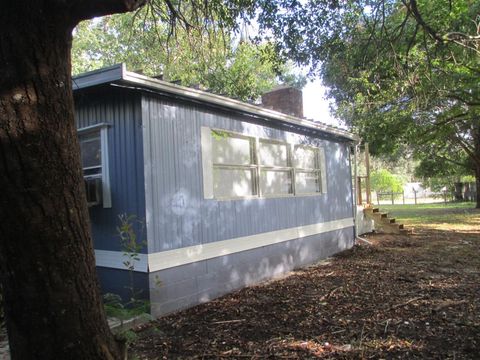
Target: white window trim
(323,170)
(207,166)
(207,162)
(320,158)
(288,168)
(103,129)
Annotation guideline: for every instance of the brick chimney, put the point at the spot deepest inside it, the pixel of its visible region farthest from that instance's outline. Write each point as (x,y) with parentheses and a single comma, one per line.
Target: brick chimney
(287,100)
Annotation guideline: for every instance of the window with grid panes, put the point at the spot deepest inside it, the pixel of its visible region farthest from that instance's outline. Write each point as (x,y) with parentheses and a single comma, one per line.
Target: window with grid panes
(307,170)
(234,165)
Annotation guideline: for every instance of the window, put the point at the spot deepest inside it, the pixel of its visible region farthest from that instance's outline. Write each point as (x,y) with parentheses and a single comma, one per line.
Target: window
(238,166)
(91,152)
(94,153)
(308,174)
(233,165)
(275,168)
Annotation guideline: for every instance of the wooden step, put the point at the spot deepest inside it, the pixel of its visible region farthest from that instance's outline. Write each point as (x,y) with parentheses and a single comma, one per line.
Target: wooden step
(383,222)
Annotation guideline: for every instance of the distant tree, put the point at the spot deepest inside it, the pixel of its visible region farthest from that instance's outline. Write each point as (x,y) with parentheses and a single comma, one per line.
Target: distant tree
(384,181)
(438,174)
(405,74)
(205,57)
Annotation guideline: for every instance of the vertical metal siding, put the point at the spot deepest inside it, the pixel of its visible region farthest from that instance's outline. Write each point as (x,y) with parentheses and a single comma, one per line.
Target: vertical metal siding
(179,216)
(121,110)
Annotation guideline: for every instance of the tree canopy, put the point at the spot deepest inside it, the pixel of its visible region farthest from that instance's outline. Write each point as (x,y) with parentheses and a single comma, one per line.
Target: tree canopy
(202,57)
(407,74)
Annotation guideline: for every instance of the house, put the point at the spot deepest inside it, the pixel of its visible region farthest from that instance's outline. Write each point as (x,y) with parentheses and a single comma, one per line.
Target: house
(230,193)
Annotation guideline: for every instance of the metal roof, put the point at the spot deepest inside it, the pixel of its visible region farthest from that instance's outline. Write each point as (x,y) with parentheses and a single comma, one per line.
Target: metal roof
(118,74)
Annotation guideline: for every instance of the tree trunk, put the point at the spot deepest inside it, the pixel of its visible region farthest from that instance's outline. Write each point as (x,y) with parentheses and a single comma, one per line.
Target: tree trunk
(477,186)
(476,162)
(52,302)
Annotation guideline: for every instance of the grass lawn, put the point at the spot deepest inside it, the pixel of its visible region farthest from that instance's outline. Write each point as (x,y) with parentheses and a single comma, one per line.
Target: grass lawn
(461,216)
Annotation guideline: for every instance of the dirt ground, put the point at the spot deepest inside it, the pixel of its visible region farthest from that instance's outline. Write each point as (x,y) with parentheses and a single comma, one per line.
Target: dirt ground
(406,297)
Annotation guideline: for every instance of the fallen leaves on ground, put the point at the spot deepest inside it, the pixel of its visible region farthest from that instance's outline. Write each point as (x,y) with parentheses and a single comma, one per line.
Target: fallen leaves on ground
(414,296)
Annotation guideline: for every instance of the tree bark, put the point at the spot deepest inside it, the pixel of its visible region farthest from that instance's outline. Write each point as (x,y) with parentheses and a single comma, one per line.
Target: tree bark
(53,307)
(476,162)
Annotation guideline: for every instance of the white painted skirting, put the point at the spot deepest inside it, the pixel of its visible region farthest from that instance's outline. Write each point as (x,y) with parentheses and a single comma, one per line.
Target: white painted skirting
(116,259)
(171,258)
(182,256)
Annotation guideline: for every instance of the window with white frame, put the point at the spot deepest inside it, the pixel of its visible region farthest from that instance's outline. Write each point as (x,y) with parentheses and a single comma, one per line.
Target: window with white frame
(233,165)
(91,153)
(308,174)
(238,166)
(94,154)
(275,171)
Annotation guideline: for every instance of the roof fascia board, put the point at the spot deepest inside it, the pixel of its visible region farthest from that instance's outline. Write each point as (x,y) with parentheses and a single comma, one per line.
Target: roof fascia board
(98,77)
(144,81)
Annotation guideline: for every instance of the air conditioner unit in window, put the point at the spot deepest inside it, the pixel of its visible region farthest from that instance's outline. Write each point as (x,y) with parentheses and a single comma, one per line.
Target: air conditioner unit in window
(93,188)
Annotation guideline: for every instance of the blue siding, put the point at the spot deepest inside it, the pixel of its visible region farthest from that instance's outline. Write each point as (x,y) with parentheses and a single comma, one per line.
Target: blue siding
(179,216)
(121,110)
(120,282)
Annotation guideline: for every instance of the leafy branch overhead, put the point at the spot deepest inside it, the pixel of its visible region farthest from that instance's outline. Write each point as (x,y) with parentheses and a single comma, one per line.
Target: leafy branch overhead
(184,49)
(407,75)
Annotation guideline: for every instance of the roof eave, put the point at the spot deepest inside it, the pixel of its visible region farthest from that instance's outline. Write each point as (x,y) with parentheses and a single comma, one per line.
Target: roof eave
(119,72)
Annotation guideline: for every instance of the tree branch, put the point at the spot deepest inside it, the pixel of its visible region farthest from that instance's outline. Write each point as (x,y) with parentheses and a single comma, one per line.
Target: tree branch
(468,149)
(413,8)
(86,9)
(440,157)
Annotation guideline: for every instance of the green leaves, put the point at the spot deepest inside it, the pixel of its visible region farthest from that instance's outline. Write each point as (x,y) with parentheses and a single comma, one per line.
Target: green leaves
(202,56)
(396,82)
(384,181)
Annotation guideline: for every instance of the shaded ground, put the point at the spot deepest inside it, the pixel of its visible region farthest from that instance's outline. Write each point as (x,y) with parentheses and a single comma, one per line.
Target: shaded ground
(414,296)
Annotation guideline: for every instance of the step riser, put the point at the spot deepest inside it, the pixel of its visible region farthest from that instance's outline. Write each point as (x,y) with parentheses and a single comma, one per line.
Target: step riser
(383,222)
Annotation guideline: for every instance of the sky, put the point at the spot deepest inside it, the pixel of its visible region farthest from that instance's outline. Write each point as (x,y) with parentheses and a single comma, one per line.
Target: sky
(315,106)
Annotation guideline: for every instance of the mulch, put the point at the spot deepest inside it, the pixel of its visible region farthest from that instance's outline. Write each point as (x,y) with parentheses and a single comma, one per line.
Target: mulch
(405,297)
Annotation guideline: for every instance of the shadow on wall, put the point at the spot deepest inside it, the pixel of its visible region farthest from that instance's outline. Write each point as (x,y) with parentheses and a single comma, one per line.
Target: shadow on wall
(184,218)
